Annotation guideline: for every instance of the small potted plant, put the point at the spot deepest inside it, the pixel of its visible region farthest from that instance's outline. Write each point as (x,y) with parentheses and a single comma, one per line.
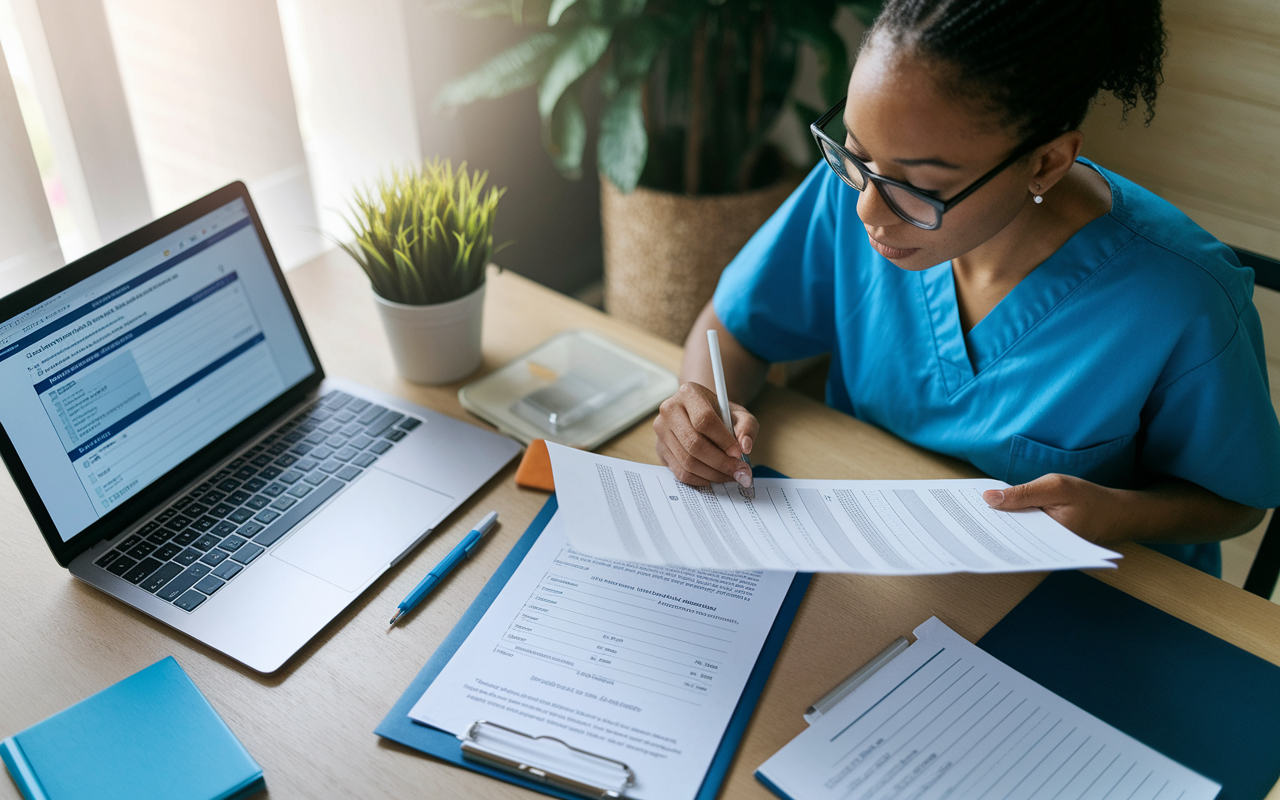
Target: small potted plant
(424,237)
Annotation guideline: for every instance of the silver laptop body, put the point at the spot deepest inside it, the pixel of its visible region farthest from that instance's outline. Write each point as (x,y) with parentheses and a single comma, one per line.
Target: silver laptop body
(166,419)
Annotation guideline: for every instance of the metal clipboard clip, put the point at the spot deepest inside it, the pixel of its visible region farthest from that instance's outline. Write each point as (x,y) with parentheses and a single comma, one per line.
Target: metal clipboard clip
(846,686)
(557,764)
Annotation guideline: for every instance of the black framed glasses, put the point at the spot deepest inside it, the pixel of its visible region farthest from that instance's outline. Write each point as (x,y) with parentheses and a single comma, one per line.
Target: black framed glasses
(917,206)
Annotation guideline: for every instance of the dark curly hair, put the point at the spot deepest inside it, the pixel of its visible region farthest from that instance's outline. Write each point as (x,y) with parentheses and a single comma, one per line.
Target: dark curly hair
(1037,63)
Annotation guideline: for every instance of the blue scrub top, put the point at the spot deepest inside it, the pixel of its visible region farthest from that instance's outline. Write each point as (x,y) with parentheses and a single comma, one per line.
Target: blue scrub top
(1134,349)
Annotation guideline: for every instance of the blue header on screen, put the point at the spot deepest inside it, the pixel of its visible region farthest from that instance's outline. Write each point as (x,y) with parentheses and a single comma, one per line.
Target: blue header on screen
(98,302)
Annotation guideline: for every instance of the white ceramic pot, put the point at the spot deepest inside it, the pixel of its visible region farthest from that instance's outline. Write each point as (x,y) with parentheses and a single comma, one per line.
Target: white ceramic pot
(437,343)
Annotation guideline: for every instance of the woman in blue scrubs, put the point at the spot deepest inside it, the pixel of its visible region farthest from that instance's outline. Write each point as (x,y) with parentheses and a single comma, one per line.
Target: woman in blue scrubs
(987,294)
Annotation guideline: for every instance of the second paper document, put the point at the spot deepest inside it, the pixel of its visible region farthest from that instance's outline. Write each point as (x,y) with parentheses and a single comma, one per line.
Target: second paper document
(639,512)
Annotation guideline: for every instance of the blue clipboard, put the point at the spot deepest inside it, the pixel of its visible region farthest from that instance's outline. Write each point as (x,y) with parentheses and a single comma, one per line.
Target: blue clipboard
(397,726)
(1207,704)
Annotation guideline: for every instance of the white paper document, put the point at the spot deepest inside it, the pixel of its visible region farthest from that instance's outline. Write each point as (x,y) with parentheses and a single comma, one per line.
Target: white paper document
(640,512)
(640,664)
(947,720)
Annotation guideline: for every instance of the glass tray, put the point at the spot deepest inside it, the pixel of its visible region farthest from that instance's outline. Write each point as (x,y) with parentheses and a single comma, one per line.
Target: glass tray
(577,389)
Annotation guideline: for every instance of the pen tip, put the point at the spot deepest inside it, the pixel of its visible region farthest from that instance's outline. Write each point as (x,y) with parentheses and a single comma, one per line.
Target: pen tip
(748,492)
(396,617)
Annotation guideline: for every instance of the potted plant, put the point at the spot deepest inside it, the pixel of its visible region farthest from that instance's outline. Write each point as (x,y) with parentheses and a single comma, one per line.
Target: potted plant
(424,237)
(690,90)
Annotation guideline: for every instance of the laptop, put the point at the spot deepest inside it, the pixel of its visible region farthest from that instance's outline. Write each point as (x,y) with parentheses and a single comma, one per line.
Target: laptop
(167,421)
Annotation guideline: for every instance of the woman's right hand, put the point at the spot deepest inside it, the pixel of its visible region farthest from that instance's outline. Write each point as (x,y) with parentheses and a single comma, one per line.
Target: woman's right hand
(694,442)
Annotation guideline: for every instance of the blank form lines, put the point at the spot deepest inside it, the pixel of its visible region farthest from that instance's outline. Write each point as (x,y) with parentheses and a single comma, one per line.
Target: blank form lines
(630,594)
(632,627)
(1015,748)
(1031,771)
(889,693)
(534,654)
(994,750)
(619,647)
(1064,763)
(932,727)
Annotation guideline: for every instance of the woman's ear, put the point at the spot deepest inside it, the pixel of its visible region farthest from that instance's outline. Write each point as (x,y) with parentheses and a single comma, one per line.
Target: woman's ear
(1051,161)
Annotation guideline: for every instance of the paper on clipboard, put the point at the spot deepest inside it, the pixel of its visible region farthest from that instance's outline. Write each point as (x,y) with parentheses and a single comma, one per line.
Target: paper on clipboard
(640,664)
(945,719)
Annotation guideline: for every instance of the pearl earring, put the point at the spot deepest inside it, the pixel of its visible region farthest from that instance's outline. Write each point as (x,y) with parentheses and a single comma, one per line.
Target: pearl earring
(1039,199)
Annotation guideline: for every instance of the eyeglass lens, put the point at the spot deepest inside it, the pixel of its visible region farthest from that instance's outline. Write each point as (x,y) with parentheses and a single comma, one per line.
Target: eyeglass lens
(904,203)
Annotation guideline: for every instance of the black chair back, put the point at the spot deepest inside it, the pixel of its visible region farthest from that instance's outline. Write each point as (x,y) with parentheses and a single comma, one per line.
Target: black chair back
(1266,564)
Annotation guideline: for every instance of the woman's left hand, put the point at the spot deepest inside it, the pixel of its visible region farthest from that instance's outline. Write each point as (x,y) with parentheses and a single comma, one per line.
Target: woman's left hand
(1086,509)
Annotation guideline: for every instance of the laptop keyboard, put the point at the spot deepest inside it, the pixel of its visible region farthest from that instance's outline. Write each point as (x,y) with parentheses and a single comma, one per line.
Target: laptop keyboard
(205,538)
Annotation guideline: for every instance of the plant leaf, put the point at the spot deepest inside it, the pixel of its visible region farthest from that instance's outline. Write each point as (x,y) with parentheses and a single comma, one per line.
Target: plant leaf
(578,53)
(624,145)
(558,7)
(510,70)
(635,46)
(423,235)
(565,134)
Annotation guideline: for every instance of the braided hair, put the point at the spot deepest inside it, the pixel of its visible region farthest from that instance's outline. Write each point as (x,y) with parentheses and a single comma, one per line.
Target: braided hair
(1038,64)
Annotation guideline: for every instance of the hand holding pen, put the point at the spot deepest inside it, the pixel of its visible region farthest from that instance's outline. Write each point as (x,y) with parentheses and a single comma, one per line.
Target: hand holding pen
(695,442)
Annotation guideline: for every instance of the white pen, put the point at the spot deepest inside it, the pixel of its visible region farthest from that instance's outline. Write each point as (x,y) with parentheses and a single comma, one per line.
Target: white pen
(722,394)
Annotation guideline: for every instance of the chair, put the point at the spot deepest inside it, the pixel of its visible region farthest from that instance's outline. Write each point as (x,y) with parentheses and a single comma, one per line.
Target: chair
(1266,564)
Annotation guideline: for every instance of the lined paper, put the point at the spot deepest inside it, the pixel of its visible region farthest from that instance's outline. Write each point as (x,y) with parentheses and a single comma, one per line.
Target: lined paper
(947,720)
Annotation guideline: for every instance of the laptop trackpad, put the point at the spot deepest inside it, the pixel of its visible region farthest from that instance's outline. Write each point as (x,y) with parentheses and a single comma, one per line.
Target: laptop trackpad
(364,529)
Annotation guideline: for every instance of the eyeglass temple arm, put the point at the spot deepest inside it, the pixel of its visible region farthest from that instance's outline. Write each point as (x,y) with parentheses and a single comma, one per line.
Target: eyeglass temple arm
(817,127)
(1019,152)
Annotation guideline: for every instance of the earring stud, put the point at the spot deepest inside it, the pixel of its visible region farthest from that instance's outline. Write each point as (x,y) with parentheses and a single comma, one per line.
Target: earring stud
(1039,199)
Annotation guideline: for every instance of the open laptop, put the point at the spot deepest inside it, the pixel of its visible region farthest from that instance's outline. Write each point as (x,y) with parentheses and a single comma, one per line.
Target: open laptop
(169,425)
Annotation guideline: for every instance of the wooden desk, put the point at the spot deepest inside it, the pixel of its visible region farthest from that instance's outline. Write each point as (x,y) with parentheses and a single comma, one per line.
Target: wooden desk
(311,724)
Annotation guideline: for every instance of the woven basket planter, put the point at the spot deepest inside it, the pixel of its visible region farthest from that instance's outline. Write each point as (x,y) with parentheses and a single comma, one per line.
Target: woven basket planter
(664,252)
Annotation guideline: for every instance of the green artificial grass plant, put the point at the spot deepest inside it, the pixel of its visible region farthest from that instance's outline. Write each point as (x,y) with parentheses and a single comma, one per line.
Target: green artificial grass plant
(424,235)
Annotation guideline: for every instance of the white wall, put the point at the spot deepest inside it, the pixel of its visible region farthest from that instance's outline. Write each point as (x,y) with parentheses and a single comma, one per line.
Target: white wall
(28,242)
(349,62)
(100,135)
(208,90)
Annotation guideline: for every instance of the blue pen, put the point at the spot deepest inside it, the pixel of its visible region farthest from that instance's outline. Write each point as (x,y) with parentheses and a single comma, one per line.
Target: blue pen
(442,569)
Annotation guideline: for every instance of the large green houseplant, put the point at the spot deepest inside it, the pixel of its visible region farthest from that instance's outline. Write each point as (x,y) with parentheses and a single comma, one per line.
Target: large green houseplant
(688,91)
(424,237)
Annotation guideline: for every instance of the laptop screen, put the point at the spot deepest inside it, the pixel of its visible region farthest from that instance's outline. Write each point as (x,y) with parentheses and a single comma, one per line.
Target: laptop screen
(116,380)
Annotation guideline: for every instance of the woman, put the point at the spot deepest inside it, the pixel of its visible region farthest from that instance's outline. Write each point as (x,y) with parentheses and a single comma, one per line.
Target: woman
(987,294)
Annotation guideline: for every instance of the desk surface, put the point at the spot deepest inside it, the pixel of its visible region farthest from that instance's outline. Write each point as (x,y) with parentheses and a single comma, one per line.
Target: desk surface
(311,724)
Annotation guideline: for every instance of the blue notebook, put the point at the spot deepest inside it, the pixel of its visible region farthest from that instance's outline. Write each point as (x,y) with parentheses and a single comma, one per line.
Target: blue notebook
(399,728)
(1201,701)
(152,736)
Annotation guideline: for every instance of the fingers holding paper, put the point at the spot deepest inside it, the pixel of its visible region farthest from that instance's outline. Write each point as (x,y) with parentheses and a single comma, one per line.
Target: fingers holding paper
(694,442)
(1082,507)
